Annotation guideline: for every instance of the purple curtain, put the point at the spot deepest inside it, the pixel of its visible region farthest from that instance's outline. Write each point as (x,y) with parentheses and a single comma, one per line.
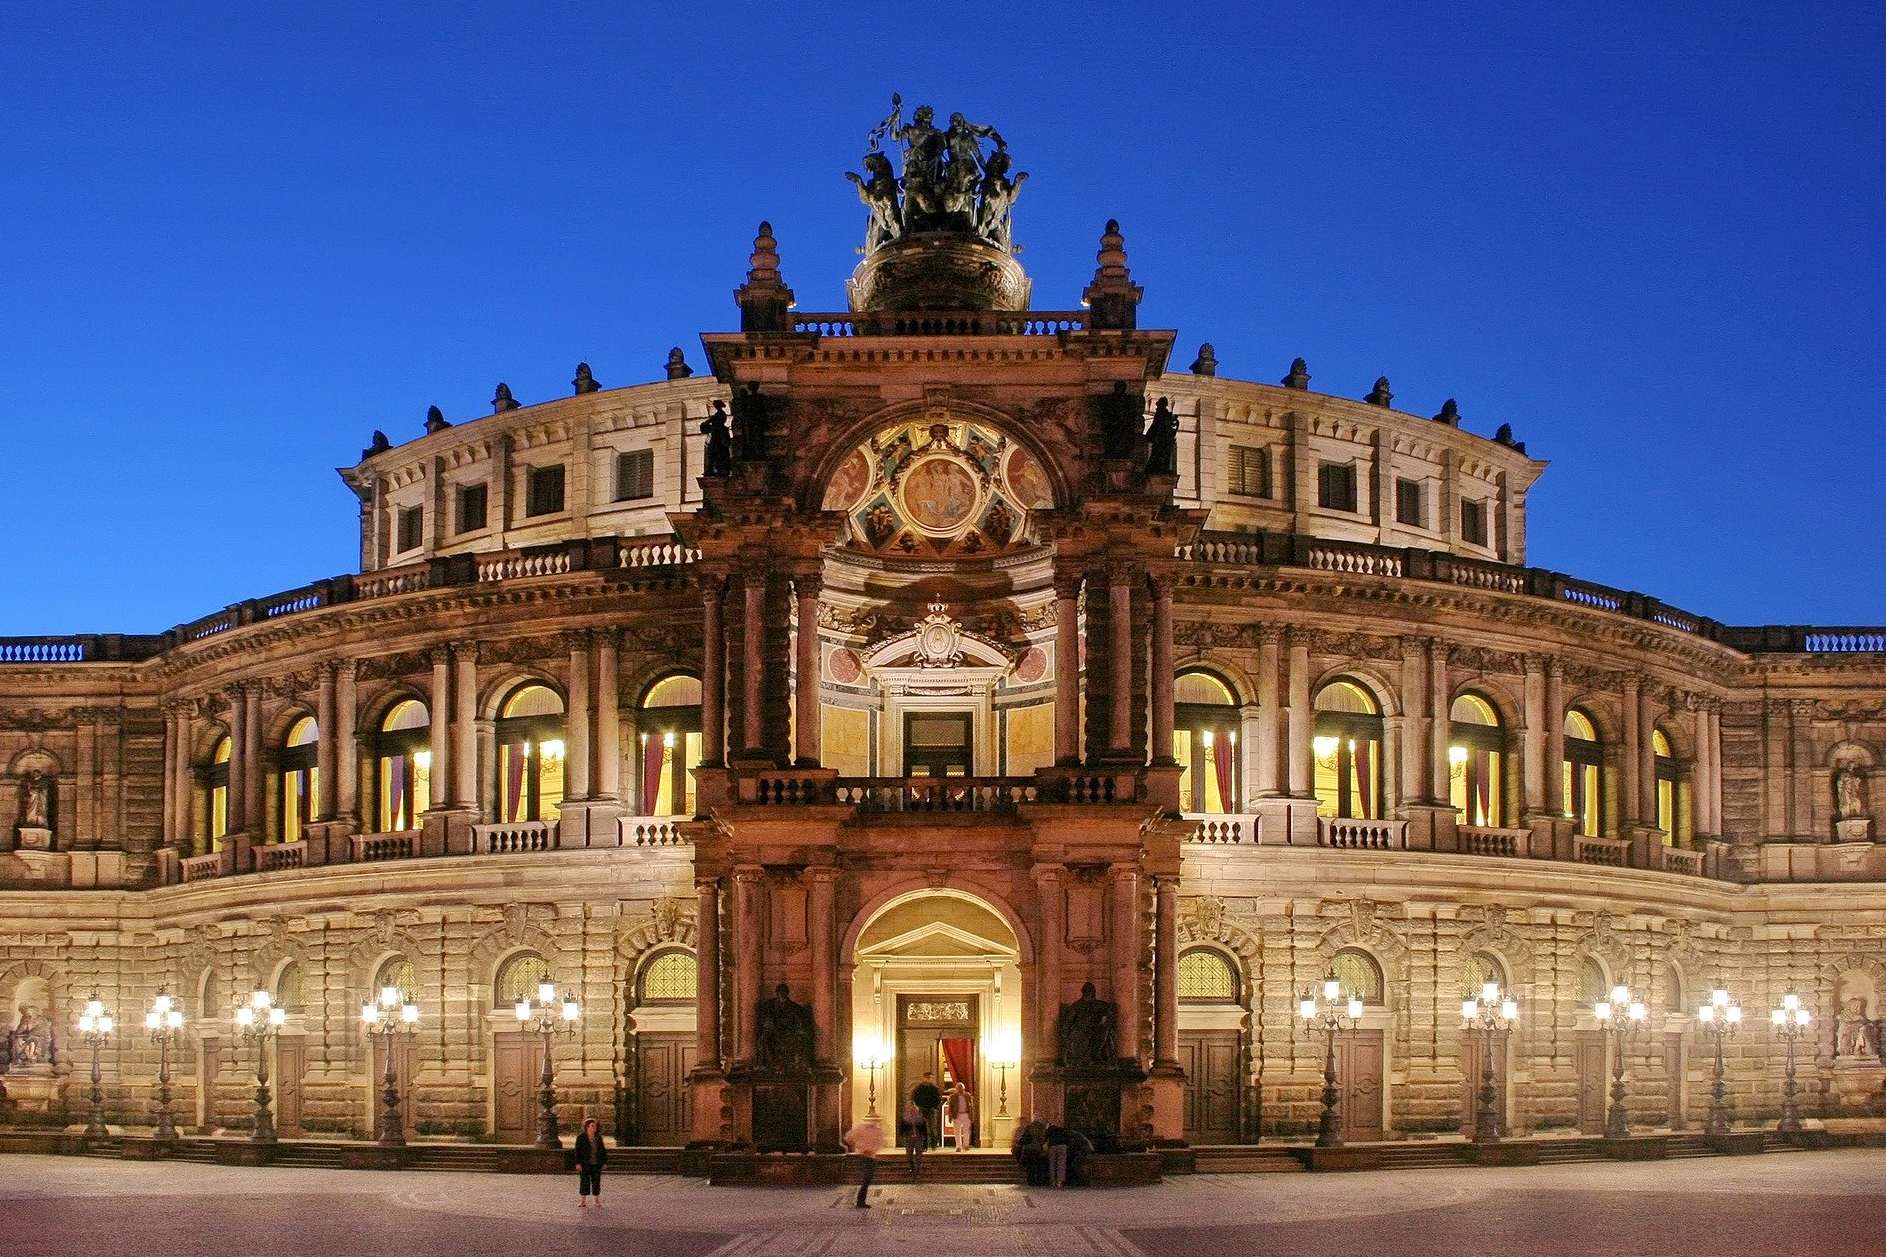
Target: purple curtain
(396,793)
(1483,787)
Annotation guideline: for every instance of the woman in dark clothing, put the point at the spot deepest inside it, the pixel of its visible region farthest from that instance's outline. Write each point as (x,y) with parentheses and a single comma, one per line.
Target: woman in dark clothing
(590,1157)
(1030,1147)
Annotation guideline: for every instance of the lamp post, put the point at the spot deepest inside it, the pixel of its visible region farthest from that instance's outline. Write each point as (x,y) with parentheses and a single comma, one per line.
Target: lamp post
(550,1020)
(1332,1012)
(257,1022)
(1619,1016)
(164,1021)
(1719,1018)
(395,1013)
(1790,1021)
(1490,1015)
(95,1028)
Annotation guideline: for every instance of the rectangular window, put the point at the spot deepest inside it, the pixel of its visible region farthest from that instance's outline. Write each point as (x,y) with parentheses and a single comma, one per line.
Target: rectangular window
(543,493)
(635,475)
(1408,504)
(471,507)
(1249,473)
(1336,486)
(1473,522)
(412,528)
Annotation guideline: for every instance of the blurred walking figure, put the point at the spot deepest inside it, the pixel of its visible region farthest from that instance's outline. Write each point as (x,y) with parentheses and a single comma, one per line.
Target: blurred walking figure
(865,1140)
(915,1132)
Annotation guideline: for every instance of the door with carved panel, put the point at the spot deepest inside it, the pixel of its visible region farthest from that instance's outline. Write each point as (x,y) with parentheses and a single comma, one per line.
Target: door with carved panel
(291,1063)
(516,1065)
(1359,1058)
(1210,1060)
(1591,1082)
(663,1060)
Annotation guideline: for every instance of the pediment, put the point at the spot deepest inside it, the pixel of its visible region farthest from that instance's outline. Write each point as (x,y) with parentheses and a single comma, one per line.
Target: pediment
(934,941)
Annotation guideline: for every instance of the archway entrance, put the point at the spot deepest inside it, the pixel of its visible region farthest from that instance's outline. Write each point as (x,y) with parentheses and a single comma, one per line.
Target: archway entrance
(936,989)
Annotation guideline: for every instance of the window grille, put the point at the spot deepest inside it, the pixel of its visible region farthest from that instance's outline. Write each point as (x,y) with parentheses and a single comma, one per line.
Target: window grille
(1359,976)
(520,978)
(1204,975)
(671,977)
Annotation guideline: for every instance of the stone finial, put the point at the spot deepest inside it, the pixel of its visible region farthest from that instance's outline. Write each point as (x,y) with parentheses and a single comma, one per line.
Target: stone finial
(1379,395)
(1207,361)
(1505,437)
(378,445)
(1299,376)
(1450,413)
(435,420)
(502,400)
(678,368)
(584,381)
(764,300)
(1113,298)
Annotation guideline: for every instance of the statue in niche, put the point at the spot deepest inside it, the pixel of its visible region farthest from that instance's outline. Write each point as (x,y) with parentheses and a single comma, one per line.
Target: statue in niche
(1084,1032)
(1849,793)
(783,1032)
(1856,1034)
(879,194)
(30,1043)
(35,800)
(1163,434)
(1121,411)
(719,442)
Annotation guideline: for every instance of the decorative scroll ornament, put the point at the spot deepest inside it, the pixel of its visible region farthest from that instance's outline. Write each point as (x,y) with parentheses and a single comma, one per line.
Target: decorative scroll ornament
(939,640)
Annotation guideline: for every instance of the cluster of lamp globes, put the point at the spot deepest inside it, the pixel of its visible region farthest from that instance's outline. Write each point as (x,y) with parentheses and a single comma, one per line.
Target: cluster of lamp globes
(547,999)
(260,1013)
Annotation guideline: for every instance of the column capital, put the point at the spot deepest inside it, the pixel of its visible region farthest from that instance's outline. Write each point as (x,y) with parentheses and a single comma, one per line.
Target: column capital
(822,874)
(1067,584)
(1047,874)
(707,885)
(749,874)
(711,584)
(464,652)
(574,639)
(808,579)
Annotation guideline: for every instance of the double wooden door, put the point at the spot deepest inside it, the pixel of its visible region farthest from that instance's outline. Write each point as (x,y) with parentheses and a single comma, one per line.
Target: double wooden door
(1472,1063)
(663,1061)
(1213,1087)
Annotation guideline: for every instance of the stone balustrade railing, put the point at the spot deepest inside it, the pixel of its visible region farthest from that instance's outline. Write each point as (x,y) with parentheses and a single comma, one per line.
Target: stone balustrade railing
(650,831)
(1612,852)
(372,848)
(1677,860)
(942,323)
(1488,840)
(1225,828)
(199,868)
(277,856)
(514,838)
(1349,834)
(937,794)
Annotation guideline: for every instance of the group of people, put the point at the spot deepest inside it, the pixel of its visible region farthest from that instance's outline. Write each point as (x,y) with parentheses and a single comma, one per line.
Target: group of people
(919,1128)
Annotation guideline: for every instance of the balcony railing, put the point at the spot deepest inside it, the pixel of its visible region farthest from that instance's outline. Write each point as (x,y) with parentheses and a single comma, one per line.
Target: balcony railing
(1358,835)
(1225,828)
(514,838)
(942,323)
(937,794)
(1486,840)
(1612,852)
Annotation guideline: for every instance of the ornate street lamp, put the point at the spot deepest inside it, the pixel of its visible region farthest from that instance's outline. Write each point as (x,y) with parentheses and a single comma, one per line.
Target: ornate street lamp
(1719,1018)
(395,1014)
(257,1022)
(1619,1016)
(550,1021)
(164,1021)
(1334,1011)
(1008,1053)
(95,1029)
(1490,1015)
(1790,1021)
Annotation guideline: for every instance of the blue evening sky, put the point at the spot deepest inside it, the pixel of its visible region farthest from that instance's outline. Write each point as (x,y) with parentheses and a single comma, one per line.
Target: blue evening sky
(235,238)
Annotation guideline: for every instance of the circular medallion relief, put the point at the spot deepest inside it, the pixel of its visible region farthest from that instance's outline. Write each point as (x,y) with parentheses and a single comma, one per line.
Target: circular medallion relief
(844,666)
(939,495)
(847,485)
(1028,481)
(1032,666)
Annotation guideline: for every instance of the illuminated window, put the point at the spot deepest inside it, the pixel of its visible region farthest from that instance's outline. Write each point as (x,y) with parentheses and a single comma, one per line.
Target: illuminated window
(672,977)
(402,757)
(519,978)
(1359,975)
(1206,976)
(1205,743)
(399,974)
(668,729)
(530,755)
(1672,795)
(1583,772)
(1347,745)
(1475,762)
(288,995)
(1592,985)
(301,779)
(216,787)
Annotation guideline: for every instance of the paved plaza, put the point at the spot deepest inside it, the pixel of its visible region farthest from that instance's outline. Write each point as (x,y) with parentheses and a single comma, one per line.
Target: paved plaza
(1796,1203)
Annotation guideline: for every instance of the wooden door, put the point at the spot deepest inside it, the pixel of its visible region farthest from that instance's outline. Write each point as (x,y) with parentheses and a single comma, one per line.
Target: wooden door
(1359,1084)
(1591,1082)
(516,1069)
(405,1074)
(1673,1072)
(209,1070)
(663,1060)
(1210,1059)
(291,1063)
(1472,1059)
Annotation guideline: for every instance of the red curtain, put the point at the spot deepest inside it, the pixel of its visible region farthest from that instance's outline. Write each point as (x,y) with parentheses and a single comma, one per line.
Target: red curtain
(514,785)
(960,1056)
(396,813)
(1221,769)
(1365,779)
(651,774)
(1483,787)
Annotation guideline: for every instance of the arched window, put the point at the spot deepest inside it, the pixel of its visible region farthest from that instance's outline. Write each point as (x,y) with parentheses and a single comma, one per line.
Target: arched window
(1478,970)
(216,785)
(1584,772)
(301,778)
(1475,762)
(402,753)
(1673,990)
(520,977)
(1672,799)
(668,725)
(1592,984)
(288,995)
(1348,749)
(1205,743)
(1206,977)
(398,973)
(671,977)
(1359,975)
(530,755)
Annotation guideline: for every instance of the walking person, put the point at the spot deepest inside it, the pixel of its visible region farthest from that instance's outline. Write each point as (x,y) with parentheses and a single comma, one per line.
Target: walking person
(865,1140)
(1057,1156)
(962,1117)
(915,1132)
(926,1097)
(590,1156)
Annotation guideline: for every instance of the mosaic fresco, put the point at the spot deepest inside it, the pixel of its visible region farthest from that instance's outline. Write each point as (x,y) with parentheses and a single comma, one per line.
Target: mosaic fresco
(934,490)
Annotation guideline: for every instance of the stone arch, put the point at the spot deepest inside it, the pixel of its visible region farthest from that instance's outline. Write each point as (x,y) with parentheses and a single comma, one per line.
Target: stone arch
(1601,708)
(967,885)
(1360,672)
(277,724)
(670,925)
(512,678)
(34,759)
(1494,937)
(1510,711)
(21,972)
(1225,669)
(1854,752)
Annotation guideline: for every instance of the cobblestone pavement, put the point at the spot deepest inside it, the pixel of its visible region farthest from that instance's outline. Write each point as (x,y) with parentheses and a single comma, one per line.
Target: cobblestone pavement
(1794,1204)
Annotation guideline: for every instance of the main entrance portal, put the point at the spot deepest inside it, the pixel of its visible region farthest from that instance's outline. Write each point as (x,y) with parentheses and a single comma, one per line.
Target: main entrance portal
(936,989)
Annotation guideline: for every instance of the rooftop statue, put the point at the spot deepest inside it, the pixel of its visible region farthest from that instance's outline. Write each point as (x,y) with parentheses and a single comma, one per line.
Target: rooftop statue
(948,184)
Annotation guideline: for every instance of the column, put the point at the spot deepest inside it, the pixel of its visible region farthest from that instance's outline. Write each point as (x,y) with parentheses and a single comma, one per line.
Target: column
(1067,670)
(1166,971)
(707,966)
(252,769)
(439,712)
(576,721)
(170,776)
(465,726)
(1801,769)
(1441,709)
(824,976)
(1417,747)
(346,746)
(1554,797)
(607,774)
(1302,719)
(752,629)
(1161,683)
(713,675)
(1126,946)
(1630,789)
(748,884)
(236,810)
(1533,762)
(1647,752)
(805,588)
(1120,627)
(1050,903)
(1709,752)
(327,758)
(1269,711)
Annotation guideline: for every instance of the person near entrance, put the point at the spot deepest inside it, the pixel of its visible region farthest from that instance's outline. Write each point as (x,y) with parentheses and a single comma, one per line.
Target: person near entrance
(915,1132)
(961,1118)
(930,1100)
(865,1140)
(589,1157)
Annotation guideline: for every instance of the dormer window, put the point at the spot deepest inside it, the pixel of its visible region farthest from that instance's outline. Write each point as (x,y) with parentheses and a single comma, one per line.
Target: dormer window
(543,490)
(410,532)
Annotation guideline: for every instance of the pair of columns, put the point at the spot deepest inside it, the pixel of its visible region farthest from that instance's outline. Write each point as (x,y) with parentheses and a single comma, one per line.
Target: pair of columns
(754,583)
(742,935)
(1123,583)
(1127,947)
